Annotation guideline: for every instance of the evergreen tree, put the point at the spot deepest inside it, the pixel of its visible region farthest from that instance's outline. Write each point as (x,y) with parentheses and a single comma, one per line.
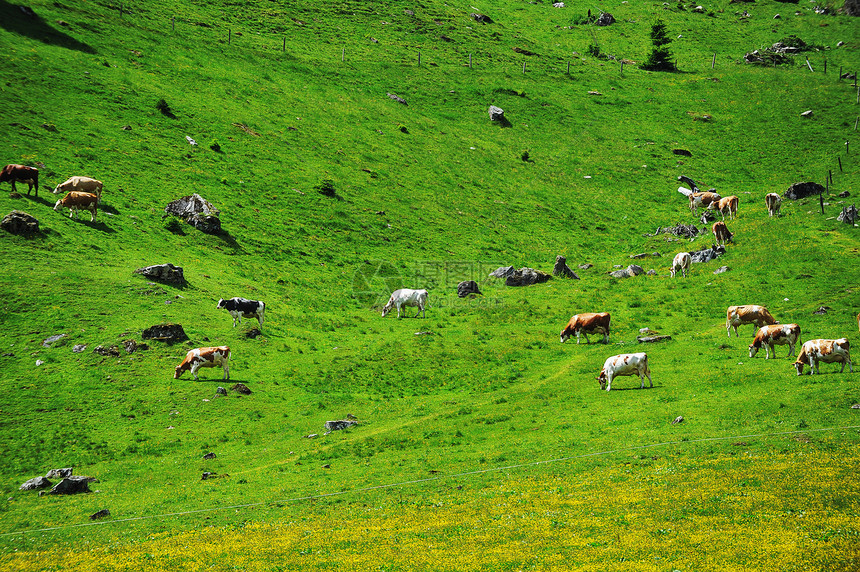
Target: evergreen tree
(660,58)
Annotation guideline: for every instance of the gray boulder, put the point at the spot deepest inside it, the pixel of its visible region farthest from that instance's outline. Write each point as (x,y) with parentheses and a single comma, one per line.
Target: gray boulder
(848,215)
(196,211)
(502,272)
(165,332)
(59,473)
(165,273)
(468,288)
(338,425)
(526,277)
(605,19)
(72,486)
(35,484)
(561,268)
(20,223)
(708,254)
(802,190)
(496,113)
(629,272)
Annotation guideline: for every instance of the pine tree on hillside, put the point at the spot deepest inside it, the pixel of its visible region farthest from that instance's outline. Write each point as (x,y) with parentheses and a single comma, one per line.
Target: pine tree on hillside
(660,58)
(851,7)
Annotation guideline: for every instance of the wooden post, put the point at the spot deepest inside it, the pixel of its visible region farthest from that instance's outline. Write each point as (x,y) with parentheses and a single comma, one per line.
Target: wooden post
(470,61)
(840,163)
(173,24)
(622,66)
(419,59)
(821,196)
(229,36)
(856,121)
(714,61)
(830,174)
(568,66)
(342,54)
(825,65)
(846,148)
(284,49)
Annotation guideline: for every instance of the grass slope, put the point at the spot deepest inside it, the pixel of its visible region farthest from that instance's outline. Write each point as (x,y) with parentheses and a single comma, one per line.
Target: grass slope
(427,194)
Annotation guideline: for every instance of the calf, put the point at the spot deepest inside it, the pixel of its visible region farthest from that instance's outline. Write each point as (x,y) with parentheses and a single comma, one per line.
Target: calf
(205,357)
(738,315)
(243,308)
(681,262)
(21,174)
(773,202)
(625,364)
(779,335)
(726,205)
(721,232)
(406,297)
(828,351)
(702,200)
(80,184)
(75,201)
(587,323)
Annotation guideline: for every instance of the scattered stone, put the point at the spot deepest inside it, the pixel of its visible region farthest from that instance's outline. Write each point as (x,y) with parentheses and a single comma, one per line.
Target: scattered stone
(629,272)
(47,342)
(196,211)
(848,215)
(561,268)
(39,362)
(646,331)
(221,391)
(496,113)
(112,351)
(72,486)
(651,272)
(20,223)
(502,272)
(652,339)
(802,190)
(169,333)
(130,346)
(808,113)
(682,152)
(241,388)
(605,19)
(397,98)
(165,273)
(209,456)
(523,51)
(59,473)
(707,217)
(467,289)
(855,406)
(481,18)
(585,266)
(100,514)
(208,475)
(558,4)
(681,230)
(689,182)
(844,194)
(338,425)
(312,436)
(191,141)
(35,483)
(527,277)
(79,348)
(678,419)
(707,254)
(721,269)
(821,310)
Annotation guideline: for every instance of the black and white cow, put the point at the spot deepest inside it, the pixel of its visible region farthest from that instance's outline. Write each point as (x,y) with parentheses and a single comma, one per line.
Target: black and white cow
(243,308)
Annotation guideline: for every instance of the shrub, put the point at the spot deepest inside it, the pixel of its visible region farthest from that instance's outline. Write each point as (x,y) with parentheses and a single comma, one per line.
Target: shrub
(660,58)
(326,187)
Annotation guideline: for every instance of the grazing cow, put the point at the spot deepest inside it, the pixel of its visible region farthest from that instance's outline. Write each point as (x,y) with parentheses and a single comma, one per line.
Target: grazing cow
(205,357)
(828,351)
(625,364)
(75,201)
(773,202)
(587,323)
(243,308)
(21,174)
(681,262)
(721,233)
(739,315)
(80,184)
(702,200)
(726,205)
(406,297)
(778,334)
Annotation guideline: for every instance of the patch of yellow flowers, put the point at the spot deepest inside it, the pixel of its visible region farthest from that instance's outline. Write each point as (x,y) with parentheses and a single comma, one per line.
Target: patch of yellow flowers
(780,511)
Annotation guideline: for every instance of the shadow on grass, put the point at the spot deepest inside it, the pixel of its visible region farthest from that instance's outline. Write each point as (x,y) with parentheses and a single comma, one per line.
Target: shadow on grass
(23,21)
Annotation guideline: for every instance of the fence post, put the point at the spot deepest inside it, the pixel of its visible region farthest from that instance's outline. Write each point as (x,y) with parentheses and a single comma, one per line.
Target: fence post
(470,61)
(284,49)
(342,55)
(622,66)
(229,36)
(568,66)
(821,195)
(840,163)
(419,59)
(825,65)
(173,24)
(714,61)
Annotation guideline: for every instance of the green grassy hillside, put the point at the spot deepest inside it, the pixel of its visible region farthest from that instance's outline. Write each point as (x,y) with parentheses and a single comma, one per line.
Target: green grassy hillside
(284,99)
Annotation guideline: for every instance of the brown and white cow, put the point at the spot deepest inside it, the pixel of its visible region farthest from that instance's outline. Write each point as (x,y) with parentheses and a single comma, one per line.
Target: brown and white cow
(681,262)
(726,205)
(80,184)
(625,364)
(773,202)
(702,200)
(828,351)
(587,323)
(76,201)
(779,335)
(205,357)
(751,314)
(21,174)
(721,232)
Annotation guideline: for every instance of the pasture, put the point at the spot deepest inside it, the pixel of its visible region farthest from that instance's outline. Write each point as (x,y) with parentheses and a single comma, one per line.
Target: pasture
(482,442)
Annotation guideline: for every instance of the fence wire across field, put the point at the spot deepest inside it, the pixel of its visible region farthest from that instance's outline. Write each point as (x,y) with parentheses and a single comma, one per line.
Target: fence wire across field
(438,478)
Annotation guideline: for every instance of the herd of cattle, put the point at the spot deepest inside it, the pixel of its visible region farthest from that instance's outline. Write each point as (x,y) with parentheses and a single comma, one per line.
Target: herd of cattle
(85,193)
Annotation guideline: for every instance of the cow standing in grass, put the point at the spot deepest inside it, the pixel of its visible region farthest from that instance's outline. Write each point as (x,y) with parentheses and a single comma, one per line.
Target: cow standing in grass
(76,201)
(243,308)
(828,351)
(681,262)
(751,314)
(587,323)
(721,233)
(776,335)
(406,297)
(80,184)
(21,174)
(773,202)
(205,357)
(726,205)
(625,364)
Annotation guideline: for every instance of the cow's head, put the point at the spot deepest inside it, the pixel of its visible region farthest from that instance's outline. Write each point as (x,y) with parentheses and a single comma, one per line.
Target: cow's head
(180,369)
(798,365)
(565,335)
(221,304)
(59,205)
(753,350)
(601,379)
(387,308)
